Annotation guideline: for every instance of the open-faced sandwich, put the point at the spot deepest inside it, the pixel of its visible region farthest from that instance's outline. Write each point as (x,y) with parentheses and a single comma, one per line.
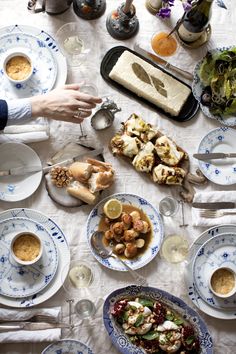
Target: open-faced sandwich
(150,151)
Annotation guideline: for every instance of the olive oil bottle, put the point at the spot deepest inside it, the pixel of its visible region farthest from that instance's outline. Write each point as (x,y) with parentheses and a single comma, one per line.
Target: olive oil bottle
(195,21)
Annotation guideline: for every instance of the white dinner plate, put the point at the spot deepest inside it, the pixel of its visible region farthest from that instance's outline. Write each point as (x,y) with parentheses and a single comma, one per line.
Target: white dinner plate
(21,281)
(221,171)
(43,62)
(45,39)
(226,314)
(63,257)
(67,346)
(197,88)
(157,228)
(219,251)
(16,188)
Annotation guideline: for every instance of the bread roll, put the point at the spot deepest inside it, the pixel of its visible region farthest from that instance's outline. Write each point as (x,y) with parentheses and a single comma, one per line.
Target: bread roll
(81,171)
(79,191)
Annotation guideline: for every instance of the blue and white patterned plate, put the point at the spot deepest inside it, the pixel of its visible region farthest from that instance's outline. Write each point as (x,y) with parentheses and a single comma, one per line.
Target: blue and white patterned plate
(44,65)
(63,257)
(197,88)
(219,251)
(45,39)
(67,346)
(225,314)
(121,340)
(222,171)
(157,227)
(21,281)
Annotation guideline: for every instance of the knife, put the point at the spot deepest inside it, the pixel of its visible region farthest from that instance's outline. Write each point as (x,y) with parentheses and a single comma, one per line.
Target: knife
(23,170)
(213,155)
(214,205)
(31,326)
(157,60)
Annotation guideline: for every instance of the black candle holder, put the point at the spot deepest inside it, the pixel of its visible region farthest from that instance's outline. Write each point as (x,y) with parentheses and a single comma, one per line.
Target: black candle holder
(122,25)
(89,9)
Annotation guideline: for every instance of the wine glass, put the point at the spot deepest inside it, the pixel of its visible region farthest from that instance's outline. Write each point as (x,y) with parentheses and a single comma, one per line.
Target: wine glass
(174,248)
(90,89)
(78,285)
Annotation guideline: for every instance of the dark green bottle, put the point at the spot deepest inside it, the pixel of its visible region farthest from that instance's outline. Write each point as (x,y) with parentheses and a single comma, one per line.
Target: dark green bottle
(195,21)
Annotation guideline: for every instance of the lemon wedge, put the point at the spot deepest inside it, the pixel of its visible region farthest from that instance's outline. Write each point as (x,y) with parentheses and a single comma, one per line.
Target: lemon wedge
(113,208)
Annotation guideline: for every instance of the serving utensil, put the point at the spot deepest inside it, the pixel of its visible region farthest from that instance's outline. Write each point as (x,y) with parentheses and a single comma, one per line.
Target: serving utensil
(208,213)
(214,205)
(156,59)
(214,155)
(106,252)
(18,171)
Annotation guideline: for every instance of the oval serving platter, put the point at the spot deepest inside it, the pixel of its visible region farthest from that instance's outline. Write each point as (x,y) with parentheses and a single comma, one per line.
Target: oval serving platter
(187,112)
(121,340)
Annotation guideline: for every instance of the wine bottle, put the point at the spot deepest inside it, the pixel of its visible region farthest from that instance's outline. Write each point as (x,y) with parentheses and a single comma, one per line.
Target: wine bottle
(195,21)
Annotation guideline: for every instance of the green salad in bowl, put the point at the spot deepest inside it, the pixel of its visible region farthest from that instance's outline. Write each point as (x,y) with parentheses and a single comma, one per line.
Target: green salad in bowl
(215,84)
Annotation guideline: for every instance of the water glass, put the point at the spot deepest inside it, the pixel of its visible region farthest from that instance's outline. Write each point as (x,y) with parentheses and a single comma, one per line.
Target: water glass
(168,206)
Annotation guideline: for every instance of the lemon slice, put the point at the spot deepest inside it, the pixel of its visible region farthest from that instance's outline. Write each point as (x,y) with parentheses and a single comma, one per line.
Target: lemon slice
(113,208)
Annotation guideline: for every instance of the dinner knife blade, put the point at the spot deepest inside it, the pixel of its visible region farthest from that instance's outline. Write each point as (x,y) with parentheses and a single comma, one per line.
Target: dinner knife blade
(31,326)
(157,60)
(89,154)
(213,155)
(21,170)
(214,205)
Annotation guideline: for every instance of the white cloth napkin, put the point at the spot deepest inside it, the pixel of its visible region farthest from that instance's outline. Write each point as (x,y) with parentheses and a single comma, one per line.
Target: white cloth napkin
(216,196)
(29,336)
(25,133)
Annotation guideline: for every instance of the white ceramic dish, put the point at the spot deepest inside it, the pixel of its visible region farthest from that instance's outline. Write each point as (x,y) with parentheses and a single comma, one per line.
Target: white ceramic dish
(63,257)
(155,243)
(222,171)
(221,313)
(48,43)
(217,252)
(230,271)
(16,188)
(10,56)
(17,280)
(67,346)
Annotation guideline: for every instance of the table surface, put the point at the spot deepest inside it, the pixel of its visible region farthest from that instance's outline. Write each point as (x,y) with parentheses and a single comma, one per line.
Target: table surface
(188,135)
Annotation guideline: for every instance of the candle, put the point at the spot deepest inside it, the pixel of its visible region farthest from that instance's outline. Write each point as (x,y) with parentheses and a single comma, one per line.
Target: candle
(127,6)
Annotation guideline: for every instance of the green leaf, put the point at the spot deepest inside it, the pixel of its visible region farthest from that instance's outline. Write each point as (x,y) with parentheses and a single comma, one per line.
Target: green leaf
(139,321)
(141,73)
(151,335)
(190,340)
(178,321)
(146,302)
(169,316)
(125,315)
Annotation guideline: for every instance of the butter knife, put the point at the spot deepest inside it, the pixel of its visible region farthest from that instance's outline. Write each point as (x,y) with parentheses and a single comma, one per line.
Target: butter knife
(213,155)
(214,205)
(157,60)
(21,170)
(31,326)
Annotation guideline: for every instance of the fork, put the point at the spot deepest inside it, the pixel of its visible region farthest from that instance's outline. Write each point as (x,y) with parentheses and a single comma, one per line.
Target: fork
(209,213)
(36,318)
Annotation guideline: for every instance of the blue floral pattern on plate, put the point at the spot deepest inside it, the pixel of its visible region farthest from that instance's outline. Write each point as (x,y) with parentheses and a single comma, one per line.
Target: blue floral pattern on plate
(44,65)
(154,247)
(63,257)
(21,281)
(197,88)
(222,171)
(219,251)
(66,346)
(121,340)
(221,313)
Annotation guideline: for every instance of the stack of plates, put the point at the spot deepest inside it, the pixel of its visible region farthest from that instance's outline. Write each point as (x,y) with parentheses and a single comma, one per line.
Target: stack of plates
(26,286)
(214,248)
(50,68)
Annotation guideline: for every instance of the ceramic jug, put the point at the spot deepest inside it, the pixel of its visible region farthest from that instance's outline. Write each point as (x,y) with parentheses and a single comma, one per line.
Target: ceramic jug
(52,7)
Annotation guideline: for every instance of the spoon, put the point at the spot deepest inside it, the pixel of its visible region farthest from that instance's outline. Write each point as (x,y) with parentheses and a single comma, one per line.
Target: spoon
(106,252)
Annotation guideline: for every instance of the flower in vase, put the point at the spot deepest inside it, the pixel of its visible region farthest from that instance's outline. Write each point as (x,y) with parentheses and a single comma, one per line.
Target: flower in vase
(165,10)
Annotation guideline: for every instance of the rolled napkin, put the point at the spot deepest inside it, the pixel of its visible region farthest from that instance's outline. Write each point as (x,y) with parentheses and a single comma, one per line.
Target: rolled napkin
(216,196)
(46,335)
(25,133)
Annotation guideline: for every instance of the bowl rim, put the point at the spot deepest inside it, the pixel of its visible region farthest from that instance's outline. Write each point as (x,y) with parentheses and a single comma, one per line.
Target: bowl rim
(18,260)
(14,53)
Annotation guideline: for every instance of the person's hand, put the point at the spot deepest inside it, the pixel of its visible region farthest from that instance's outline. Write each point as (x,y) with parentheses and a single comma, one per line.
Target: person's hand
(66,103)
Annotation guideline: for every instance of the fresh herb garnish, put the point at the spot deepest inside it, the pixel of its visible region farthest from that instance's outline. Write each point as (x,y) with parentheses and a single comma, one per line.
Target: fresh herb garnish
(151,335)
(139,321)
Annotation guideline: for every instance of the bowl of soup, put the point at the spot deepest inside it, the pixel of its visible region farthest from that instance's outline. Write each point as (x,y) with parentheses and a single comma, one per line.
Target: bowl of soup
(222,282)
(26,248)
(18,67)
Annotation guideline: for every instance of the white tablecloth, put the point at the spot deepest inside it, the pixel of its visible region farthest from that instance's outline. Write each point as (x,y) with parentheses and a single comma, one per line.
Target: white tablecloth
(158,272)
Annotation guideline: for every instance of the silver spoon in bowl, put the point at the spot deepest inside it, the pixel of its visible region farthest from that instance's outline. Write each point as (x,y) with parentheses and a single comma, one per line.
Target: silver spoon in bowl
(106,252)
